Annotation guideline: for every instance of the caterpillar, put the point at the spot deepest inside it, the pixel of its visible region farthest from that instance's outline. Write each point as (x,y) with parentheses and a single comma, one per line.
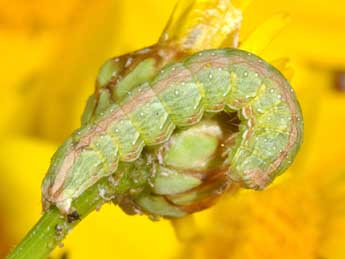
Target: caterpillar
(179,95)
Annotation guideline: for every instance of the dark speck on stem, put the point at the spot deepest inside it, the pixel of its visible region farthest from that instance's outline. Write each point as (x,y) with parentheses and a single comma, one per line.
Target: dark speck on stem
(73,217)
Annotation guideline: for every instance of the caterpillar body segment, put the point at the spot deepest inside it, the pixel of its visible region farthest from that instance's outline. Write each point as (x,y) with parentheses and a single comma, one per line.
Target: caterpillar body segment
(116,77)
(213,81)
(148,115)
(180,94)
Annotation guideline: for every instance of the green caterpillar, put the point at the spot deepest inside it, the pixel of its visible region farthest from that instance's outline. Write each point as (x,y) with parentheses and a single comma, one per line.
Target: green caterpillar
(210,81)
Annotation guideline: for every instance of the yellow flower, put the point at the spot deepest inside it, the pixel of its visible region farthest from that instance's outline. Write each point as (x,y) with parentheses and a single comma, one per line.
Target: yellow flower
(50,56)
(301,216)
(47,77)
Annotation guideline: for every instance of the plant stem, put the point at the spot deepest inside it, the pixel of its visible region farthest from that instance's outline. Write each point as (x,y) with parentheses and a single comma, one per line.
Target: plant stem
(53,227)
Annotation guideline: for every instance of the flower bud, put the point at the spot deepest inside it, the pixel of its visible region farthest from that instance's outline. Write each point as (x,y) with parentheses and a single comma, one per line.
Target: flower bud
(188,173)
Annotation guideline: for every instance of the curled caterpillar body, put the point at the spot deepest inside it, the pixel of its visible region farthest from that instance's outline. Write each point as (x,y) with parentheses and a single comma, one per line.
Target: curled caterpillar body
(211,81)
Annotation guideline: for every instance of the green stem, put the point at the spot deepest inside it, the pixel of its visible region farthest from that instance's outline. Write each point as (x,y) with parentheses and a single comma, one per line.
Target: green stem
(52,227)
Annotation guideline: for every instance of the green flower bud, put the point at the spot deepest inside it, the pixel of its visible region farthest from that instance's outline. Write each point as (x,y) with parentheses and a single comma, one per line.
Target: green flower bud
(186,174)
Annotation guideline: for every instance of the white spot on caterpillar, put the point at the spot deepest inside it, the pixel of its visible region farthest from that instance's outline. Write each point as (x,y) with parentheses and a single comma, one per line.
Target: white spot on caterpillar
(141,114)
(260,110)
(128,62)
(271,90)
(164,174)
(250,123)
(210,76)
(245,74)
(245,133)
(256,74)
(177,92)
(244,114)
(102,192)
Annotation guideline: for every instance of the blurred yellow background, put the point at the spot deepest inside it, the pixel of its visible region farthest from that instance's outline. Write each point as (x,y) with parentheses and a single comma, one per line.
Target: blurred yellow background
(50,53)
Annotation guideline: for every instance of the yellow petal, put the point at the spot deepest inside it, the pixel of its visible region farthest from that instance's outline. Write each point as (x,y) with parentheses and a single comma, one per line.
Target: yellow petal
(264,34)
(186,228)
(242,4)
(284,66)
